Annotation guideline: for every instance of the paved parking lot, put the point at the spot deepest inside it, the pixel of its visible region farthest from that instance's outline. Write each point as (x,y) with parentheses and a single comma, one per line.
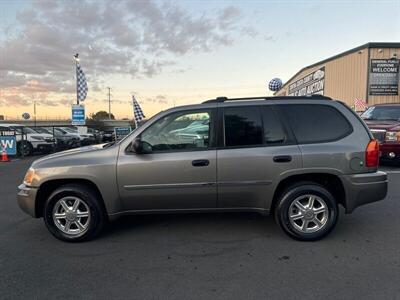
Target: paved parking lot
(224,256)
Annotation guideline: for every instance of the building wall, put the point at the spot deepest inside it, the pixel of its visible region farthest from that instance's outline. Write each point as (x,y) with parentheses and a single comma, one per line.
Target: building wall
(346,77)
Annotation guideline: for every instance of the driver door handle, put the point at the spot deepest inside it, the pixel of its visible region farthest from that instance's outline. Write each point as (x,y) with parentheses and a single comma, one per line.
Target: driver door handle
(282,158)
(200,163)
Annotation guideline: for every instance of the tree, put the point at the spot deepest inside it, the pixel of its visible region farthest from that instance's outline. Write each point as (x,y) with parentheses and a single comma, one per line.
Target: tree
(101,115)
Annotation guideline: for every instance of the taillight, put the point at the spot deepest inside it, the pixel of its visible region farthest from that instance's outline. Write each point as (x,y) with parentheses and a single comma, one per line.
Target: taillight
(372,154)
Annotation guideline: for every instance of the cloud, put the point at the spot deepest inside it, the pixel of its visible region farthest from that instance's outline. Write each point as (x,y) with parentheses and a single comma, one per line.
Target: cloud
(13,100)
(159,99)
(270,38)
(139,39)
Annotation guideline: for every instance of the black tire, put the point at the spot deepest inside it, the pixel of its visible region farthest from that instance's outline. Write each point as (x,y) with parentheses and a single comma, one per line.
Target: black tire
(296,191)
(90,198)
(24,148)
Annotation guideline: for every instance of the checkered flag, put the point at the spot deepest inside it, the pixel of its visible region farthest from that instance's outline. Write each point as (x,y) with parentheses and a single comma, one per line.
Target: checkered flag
(137,110)
(81,85)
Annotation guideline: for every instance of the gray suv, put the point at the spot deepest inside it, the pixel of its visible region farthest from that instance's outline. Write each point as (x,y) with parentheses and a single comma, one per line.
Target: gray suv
(296,158)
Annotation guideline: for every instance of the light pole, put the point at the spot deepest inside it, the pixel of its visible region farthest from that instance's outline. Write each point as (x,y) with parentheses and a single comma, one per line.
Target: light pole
(34,110)
(109,103)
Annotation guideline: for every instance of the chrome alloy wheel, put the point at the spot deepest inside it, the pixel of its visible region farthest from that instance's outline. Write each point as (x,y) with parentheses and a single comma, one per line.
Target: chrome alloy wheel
(71,215)
(308,213)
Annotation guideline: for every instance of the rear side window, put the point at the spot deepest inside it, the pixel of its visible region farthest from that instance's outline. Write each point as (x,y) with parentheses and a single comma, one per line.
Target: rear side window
(243,126)
(274,134)
(313,123)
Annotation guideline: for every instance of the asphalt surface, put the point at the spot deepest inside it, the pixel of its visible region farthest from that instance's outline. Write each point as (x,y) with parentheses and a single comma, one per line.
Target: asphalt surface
(209,256)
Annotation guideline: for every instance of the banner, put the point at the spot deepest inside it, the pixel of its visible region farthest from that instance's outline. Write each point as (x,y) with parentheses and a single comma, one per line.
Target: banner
(78,115)
(384,77)
(8,141)
(121,132)
(309,85)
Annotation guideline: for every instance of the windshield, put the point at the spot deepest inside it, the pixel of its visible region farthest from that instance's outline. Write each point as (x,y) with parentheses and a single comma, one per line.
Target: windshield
(59,130)
(382,113)
(26,130)
(40,130)
(69,130)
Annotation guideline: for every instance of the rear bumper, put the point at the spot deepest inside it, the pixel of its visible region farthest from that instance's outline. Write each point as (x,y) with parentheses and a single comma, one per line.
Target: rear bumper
(361,189)
(26,199)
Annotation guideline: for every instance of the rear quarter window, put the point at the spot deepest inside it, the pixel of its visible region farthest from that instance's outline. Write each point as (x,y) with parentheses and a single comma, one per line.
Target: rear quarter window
(315,123)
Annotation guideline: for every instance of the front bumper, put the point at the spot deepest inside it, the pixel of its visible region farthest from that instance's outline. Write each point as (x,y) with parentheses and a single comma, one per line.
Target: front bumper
(390,151)
(26,199)
(361,189)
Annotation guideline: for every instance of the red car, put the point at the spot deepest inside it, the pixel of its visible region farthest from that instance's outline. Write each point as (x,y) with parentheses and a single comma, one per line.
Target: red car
(384,122)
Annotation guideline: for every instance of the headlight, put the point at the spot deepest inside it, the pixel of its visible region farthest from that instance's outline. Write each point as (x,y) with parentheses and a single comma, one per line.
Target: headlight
(392,136)
(30,174)
(36,137)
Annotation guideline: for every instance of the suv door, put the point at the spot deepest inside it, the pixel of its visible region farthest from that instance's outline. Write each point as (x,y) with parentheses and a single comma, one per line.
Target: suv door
(255,149)
(180,172)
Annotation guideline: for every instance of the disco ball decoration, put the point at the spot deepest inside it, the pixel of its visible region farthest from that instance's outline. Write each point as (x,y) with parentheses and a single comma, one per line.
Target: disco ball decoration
(275,84)
(26,116)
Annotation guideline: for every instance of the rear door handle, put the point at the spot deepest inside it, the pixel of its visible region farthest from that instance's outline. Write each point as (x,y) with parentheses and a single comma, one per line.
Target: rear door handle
(200,163)
(282,158)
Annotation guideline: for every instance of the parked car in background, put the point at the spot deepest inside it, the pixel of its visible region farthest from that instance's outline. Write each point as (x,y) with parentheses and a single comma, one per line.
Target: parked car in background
(29,140)
(108,135)
(64,140)
(384,122)
(297,158)
(98,135)
(85,139)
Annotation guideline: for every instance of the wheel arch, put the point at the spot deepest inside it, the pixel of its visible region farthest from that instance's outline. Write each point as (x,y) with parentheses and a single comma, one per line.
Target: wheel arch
(47,187)
(330,181)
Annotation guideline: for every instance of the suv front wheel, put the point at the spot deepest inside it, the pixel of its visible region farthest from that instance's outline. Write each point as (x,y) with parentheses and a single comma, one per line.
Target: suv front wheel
(73,213)
(306,211)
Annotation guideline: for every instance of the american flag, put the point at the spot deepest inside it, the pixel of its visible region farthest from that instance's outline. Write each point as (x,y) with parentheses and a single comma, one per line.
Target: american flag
(360,104)
(81,85)
(139,115)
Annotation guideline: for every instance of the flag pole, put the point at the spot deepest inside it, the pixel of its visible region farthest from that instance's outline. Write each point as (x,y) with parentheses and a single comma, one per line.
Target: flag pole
(76,76)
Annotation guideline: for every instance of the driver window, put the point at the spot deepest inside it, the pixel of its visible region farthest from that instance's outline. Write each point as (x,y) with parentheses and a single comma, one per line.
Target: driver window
(179,132)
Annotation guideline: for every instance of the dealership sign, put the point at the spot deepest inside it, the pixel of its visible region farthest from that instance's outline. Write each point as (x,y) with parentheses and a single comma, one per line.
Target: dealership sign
(384,77)
(8,142)
(311,84)
(121,132)
(78,115)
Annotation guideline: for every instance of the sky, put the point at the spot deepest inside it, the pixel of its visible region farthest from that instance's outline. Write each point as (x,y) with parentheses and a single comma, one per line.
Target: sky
(169,53)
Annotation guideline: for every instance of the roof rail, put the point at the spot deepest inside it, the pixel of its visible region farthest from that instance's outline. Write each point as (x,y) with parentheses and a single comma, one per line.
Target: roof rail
(223,99)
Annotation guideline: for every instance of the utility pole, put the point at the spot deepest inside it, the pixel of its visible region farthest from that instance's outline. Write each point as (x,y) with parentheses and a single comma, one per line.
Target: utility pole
(109,103)
(34,110)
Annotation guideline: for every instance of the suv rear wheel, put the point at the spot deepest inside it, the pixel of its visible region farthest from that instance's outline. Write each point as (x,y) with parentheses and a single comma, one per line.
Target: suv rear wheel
(306,211)
(72,213)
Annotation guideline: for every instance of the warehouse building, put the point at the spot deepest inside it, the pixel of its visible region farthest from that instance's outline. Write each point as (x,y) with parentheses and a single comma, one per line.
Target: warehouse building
(369,73)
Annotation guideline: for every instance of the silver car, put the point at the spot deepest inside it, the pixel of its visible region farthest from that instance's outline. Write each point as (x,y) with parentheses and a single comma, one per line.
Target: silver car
(297,158)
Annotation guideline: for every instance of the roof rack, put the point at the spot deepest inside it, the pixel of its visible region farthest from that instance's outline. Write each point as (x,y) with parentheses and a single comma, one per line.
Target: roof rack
(223,99)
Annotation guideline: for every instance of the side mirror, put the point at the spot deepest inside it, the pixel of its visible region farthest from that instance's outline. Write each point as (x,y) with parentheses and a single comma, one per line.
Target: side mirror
(141,147)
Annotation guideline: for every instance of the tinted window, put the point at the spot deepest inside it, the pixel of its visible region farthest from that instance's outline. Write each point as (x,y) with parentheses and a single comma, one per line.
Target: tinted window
(273,130)
(315,123)
(179,131)
(243,126)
